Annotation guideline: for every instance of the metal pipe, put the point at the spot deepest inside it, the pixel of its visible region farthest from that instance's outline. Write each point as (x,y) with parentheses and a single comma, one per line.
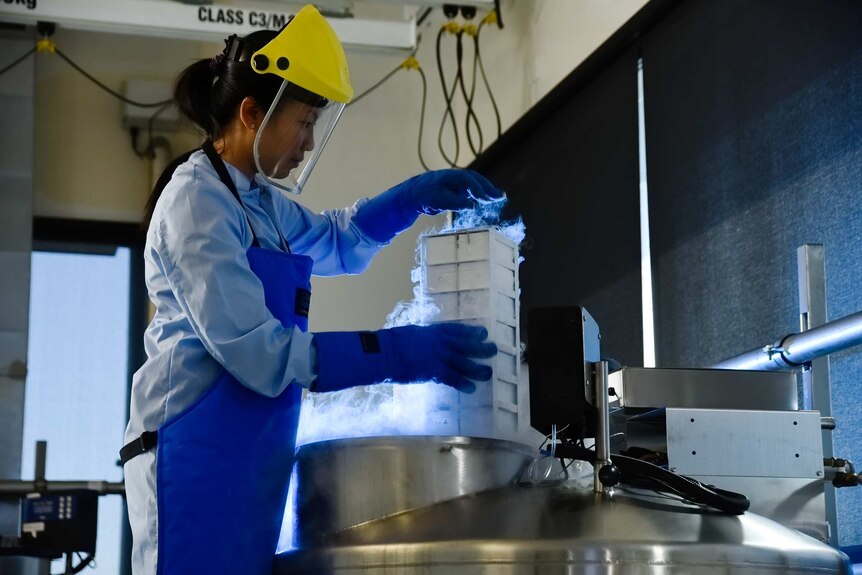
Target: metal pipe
(10,487)
(797,349)
(603,426)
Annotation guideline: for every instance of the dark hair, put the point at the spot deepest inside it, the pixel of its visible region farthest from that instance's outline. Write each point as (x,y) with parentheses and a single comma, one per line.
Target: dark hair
(209,92)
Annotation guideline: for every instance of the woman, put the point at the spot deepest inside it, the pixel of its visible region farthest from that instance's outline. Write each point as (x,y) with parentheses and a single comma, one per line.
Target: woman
(215,407)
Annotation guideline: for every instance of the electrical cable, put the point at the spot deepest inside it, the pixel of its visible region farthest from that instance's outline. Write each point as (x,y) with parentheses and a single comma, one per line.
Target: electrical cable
(398,67)
(85,561)
(152,120)
(468,98)
(149,151)
(498,15)
(691,489)
(411,63)
(422,118)
(134,131)
(107,89)
(18,61)
(547,437)
(82,564)
(448,95)
(375,86)
(474,32)
(688,488)
(487,19)
(472,125)
(47,45)
(423,16)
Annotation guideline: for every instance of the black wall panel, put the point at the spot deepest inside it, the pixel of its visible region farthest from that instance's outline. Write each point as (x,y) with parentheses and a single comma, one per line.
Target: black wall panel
(754,147)
(573,176)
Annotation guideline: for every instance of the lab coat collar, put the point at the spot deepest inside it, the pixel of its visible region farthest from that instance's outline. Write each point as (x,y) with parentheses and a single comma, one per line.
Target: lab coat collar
(244,185)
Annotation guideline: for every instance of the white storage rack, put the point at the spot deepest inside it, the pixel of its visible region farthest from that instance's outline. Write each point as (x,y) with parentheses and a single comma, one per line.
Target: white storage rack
(472,277)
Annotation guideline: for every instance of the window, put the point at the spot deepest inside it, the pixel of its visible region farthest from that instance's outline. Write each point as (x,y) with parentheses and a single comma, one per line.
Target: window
(77,383)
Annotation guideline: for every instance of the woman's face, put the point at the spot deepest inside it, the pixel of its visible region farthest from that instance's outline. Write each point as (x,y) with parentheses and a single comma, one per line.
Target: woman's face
(287,136)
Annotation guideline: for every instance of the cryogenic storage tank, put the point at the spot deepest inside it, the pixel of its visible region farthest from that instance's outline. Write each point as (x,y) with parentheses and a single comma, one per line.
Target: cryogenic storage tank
(459,506)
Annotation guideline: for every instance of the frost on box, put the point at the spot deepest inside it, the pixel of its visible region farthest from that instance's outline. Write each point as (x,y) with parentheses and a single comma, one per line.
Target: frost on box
(471,276)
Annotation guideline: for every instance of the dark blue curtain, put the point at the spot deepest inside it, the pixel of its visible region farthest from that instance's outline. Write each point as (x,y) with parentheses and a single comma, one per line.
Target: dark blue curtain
(571,170)
(754,147)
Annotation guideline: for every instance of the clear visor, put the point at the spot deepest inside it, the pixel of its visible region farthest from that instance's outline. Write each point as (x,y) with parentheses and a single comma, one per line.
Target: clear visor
(292,136)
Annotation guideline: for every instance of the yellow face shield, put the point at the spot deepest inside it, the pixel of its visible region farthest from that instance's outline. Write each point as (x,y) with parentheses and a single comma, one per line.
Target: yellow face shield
(292,137)
(309,58)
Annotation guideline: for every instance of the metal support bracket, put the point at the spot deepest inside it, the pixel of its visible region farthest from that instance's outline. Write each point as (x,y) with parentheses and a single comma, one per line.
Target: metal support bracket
(816,386)
(603,429)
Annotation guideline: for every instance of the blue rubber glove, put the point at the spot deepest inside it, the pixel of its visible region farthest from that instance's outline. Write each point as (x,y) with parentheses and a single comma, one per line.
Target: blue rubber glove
(406,354)
(385,216)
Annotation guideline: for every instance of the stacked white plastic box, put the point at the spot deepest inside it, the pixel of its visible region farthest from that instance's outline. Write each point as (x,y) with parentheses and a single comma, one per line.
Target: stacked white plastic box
(472,277)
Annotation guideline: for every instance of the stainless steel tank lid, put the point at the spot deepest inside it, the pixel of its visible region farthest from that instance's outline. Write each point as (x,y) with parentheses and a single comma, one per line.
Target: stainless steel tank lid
(566,529)
(420,512)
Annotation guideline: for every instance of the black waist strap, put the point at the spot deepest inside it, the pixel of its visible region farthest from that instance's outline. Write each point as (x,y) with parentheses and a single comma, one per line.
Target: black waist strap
(144,443)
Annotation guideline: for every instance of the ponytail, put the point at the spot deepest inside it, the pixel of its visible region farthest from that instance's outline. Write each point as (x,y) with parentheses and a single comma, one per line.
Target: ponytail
(209,92)
(162,182)
(193,94)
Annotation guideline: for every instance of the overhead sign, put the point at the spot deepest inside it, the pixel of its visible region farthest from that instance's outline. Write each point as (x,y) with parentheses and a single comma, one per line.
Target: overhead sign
(172,19)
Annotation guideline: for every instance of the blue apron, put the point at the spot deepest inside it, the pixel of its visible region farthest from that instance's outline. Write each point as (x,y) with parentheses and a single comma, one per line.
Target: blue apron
(224,464)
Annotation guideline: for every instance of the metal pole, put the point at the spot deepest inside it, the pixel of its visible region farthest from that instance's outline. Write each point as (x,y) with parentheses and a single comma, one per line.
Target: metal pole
(39,471)
(795,350)
(809,350)
(603,426)
(816,385)
(812,314)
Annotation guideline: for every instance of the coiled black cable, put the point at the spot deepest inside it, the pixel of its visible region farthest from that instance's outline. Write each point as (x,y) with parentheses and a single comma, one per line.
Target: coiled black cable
(449,113)
(472,124)
(473,90)
(485,77)
(634,471)
(468,98)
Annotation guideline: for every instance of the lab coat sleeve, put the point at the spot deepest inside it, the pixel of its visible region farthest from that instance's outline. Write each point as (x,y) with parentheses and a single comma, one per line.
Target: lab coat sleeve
(202,238)
(332,239)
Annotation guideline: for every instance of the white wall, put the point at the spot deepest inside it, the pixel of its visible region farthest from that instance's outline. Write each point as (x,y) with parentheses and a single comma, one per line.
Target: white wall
(562,33)
(85,167)
(374,146)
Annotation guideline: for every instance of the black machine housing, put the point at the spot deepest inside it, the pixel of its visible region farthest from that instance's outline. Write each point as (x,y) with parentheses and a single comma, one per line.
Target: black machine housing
(60,521)
(563,343)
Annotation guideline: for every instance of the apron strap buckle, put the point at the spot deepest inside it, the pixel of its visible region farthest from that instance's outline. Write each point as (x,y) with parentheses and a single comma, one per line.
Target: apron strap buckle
(144,443)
